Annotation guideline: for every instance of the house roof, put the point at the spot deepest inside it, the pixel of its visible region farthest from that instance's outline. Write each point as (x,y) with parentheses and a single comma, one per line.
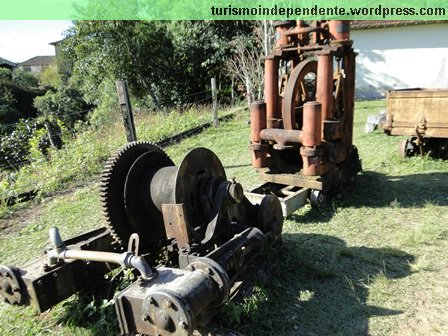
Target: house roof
(39,60)
(5,61)
(374,24)
(57,42)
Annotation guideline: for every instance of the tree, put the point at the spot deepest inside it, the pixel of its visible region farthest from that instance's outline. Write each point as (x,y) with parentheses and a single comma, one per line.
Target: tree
(171,62)
(246,64)
(201,49)
(139,52)
(5,75)
(8,113)
(65,104)
(50,77)
(24,79)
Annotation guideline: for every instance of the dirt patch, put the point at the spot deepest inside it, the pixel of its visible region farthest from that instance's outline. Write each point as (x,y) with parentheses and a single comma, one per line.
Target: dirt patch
(24,217)
(20,219)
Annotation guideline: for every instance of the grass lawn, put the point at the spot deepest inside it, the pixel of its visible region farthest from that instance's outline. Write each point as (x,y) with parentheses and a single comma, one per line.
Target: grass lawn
(373,261)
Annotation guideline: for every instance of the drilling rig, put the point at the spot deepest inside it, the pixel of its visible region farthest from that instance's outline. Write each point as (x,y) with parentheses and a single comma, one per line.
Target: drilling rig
(302,133)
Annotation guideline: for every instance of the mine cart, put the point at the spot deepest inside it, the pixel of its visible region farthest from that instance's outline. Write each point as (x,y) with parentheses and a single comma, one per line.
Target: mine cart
(422,115)
(189,234)
(301,135)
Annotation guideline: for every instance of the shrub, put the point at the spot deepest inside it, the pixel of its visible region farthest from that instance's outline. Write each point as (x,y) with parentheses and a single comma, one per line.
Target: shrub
(24,79)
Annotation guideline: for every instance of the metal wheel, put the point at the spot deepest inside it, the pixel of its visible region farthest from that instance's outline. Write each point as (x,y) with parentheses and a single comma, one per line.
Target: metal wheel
(300,88)
(317,198)
(124,193)
(407,148)
(10,288)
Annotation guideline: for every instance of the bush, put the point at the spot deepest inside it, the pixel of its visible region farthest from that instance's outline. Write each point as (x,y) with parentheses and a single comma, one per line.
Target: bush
(14,148)
(5,75)
(50,77)
(16,103)
(65,104)
(24,79)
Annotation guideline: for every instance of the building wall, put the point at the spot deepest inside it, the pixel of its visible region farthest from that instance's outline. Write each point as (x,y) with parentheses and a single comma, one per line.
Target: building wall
(400,57)
(34,69)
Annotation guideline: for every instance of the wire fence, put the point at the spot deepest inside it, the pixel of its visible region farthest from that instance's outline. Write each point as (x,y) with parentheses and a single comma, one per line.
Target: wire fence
(13,125)
(65,171)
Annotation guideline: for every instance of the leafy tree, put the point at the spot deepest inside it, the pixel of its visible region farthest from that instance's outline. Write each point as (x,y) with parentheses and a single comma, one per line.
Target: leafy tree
(139,52)
(65,104)
(201,48)
(14,146)
(5,75)
(170,62)
(50,77)
(8,113)
(17,91)
(24,79)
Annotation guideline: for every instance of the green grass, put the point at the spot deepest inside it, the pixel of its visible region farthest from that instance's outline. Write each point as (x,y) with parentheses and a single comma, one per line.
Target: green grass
(83,155)
(372,261)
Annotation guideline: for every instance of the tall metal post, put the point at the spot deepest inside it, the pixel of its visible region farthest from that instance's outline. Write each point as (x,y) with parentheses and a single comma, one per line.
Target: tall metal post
(126,110)
(215,103)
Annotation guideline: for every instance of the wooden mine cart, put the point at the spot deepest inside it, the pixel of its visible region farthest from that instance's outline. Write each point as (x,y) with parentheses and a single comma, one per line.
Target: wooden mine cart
(422,115)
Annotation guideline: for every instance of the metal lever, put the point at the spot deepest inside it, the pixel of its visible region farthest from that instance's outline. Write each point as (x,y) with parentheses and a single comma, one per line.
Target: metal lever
(126,259)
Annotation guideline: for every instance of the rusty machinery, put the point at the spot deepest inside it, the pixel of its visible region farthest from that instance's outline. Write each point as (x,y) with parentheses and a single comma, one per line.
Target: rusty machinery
(301,135)
(188,233)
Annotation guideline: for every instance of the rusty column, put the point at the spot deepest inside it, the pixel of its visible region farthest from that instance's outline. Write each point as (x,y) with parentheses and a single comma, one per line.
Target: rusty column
(281,38)
(324,94)
(339,30)
(311,139)
(312,124)
(257,124)
(271,89)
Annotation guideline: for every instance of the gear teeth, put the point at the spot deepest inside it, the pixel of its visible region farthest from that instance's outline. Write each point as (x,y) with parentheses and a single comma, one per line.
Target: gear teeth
(110,183)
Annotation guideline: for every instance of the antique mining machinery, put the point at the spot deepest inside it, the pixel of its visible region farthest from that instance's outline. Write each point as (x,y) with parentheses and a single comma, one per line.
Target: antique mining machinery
(301,135)
(190,235)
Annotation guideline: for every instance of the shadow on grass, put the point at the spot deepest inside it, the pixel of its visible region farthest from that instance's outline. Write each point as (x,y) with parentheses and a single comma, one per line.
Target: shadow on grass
(319,286)
(376,190)
(415,190)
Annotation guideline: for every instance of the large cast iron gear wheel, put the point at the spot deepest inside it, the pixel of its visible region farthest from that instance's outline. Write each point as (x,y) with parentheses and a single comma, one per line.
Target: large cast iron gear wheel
(126,203)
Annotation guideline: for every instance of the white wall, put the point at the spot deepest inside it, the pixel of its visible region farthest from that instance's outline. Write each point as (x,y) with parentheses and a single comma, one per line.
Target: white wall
(400,57)
(34,69)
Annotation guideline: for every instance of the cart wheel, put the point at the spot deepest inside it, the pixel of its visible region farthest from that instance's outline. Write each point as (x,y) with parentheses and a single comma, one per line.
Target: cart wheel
(407,148)
(402,148)
(317,198)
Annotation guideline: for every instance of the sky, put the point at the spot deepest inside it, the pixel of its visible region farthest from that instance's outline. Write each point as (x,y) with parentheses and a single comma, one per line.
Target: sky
(22,40)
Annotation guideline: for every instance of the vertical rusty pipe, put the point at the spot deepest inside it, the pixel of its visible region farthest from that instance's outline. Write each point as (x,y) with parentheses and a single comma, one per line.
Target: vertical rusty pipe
(312,124)
(324,94)
(311,139)
(339,30)
(349,103)
(257,123)
(271,89)
(281,38)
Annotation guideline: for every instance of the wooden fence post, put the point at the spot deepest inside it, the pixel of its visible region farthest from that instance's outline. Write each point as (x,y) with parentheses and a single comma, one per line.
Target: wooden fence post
(126,110)
(215,103)
(232,93)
